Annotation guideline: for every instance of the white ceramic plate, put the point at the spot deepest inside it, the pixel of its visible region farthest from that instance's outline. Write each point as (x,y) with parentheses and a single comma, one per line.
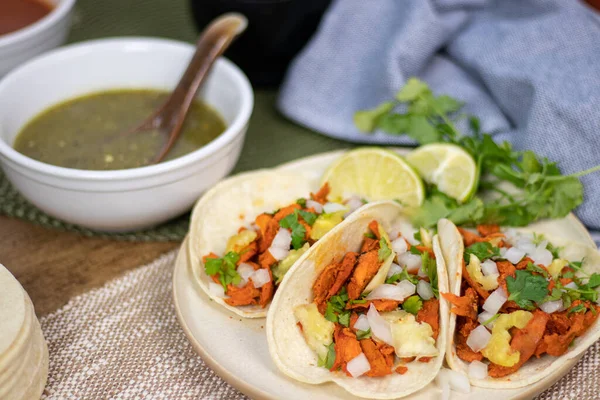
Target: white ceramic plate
(236,348)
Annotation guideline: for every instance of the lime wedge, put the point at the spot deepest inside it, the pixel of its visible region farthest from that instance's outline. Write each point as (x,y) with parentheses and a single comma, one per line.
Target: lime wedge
(375,174)
(447,166)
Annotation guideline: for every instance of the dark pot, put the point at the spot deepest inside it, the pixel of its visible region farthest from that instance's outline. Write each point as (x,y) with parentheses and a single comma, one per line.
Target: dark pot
(277,31)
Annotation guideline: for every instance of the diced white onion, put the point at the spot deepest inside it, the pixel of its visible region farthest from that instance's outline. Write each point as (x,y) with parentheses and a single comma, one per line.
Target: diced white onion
(458,382)
(358,365)
(478,338)
(260,277)
(216,289)
(552,306)
(525,244)
(571,285)
(421,273)
(399,246)
(392,292)
(541,256)
(280,247)
(485,316)
(489,267)
(478,370)
(412,262)
(245,270)
(494,303)
(424,290)
(362,323)
(318,207)
(380,328)
(503,251)
(334,207)
(353,203)
(407,231)
(394,269)
(444,385)
(514,255)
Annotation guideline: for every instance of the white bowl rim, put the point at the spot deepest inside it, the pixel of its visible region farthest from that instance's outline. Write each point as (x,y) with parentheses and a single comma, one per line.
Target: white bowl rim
(234,129)
(57,13)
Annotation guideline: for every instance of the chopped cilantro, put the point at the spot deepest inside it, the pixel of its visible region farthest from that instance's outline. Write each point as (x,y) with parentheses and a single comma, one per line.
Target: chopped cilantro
(568,275)
(329,359)
(308,216)
(301,202)
(358,301)
(384,250)
(360,335)
(417,236)
(554,295)
(482,250)
(336,308)
(225,268)
(404,275)
(415,251)
(535,268)
(344,318)
(576,265)
(527,288)
(578,308)
(413,304)
(594,281)
(298,230)
(370,235)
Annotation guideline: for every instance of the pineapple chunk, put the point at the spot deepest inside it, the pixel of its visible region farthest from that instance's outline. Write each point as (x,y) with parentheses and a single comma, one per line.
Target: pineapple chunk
(498,348)
(489,282)
(317,331)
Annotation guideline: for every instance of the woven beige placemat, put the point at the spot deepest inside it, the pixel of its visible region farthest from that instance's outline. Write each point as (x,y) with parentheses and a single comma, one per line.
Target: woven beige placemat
(123,342)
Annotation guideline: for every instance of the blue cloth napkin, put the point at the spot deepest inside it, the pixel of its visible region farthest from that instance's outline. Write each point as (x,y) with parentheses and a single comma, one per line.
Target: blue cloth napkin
(530,69)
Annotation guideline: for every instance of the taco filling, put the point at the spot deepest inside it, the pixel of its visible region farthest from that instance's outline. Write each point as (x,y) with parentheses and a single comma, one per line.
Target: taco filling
(518,300)
(376,310)
(258,256)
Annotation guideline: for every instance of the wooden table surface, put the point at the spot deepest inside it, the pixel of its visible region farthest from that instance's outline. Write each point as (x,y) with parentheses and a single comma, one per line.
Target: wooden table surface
(54,266)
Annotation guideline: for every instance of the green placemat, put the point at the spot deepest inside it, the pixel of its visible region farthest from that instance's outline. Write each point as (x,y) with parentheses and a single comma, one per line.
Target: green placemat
(271,139)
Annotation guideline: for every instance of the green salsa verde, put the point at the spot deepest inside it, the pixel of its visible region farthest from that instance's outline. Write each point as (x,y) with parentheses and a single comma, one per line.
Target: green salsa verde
(86,132)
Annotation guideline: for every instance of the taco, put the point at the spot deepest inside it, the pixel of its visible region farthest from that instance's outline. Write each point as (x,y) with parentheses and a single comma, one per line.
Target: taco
(361,309)
(523,303)
(250,229)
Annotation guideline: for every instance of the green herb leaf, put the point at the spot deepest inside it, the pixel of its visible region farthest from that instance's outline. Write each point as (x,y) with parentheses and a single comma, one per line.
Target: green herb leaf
(384,250)
(370,235)
(412,90)
(301,202)
(329,359)
(578,308)
(394,278)
(360,335)
(224,268)
(330,314)
(344,318)
(594,281)
(367,120)
(412,305)
(526,288)
(309,217)
(429,265)
(534,268)
(298,230)
(482,250)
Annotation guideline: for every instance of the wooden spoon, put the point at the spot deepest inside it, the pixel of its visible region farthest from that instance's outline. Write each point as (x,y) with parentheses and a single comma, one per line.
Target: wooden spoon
(169,117)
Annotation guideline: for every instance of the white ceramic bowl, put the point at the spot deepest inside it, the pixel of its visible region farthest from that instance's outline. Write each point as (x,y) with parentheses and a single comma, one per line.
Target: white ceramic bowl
(39,37)
(128,199)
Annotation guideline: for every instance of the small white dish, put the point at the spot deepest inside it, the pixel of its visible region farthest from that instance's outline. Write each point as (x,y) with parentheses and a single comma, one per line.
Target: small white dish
(128,199)
(43,35)
(236,348)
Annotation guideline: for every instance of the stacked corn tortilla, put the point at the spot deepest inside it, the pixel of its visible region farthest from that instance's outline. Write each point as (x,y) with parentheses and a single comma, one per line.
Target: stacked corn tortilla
(23,350)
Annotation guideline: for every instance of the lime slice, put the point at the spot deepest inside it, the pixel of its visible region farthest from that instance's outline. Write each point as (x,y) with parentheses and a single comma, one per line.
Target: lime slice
(374,174)
(447,166)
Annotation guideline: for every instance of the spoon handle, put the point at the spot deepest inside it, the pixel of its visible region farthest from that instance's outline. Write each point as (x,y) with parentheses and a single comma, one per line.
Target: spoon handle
(213,42)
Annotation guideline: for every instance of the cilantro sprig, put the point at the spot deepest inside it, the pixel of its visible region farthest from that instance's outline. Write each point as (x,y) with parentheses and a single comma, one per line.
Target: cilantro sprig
(526,288)
(329,359)
(225,268)
(429,266)
(298,230)
(412,305)
(384,250)
(336,308)
(360,335)
(543,192)
(482,250)
(401,276)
